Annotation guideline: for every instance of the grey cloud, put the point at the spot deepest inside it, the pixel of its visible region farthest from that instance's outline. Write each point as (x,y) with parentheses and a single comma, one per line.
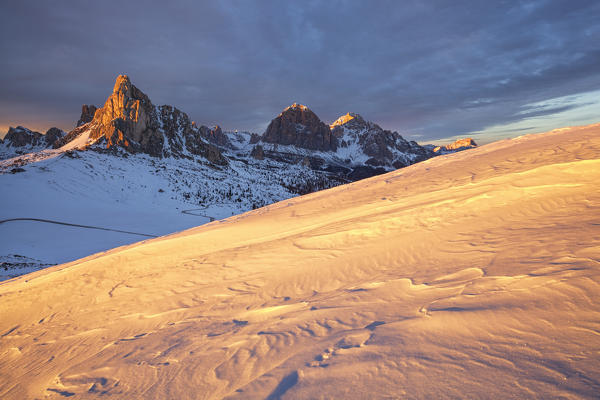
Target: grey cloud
(436,68)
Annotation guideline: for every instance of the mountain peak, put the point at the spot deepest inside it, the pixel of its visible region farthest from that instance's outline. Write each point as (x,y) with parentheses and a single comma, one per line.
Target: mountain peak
(299,126)
(297,106)
(344,119)
(122,84)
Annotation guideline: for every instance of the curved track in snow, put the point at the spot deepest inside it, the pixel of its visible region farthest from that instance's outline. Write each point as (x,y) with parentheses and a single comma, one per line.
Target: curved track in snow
(49,221)
(191,212)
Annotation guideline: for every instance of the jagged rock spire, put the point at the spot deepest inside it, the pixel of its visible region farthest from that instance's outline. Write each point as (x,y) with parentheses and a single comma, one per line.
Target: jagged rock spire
(129,120)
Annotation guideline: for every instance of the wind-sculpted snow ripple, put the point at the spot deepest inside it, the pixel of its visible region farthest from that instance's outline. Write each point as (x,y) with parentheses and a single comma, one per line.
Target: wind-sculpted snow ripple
(472,275)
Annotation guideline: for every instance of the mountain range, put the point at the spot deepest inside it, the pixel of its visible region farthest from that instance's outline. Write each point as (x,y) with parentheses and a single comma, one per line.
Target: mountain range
(130,156)
(348,149)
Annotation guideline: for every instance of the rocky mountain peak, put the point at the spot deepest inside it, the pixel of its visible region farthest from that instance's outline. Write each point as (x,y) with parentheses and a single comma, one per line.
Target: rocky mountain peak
(297,125)
(215,136)
(466,142)
(21,137)
(53,135)
(458,145)
(129,120)
(127,116)
(122,84)
(296,106)
(344,119)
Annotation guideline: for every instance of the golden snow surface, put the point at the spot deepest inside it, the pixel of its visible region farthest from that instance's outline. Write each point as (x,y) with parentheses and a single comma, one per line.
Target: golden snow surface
(470,275)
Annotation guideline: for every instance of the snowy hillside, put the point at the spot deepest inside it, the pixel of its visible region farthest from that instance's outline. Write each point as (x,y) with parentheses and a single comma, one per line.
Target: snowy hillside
(469,275)
(136,193)
(133,170)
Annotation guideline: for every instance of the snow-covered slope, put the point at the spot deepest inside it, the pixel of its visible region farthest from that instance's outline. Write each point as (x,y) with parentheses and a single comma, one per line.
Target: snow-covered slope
(128,192)
(470,275)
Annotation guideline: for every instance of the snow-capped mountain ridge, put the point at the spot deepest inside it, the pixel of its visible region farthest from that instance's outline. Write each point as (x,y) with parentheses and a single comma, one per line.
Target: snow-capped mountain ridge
(348,149)
(374,146)
(21,140)
(130,121)
(350,142)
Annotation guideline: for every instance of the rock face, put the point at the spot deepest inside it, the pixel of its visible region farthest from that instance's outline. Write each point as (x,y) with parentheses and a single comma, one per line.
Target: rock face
(297,125)
(87,114)
(214,136)
(350,148)
(23,137)
(257,152)
(129,120)
(21,140)
(458,145)
(53,135)
(383,147)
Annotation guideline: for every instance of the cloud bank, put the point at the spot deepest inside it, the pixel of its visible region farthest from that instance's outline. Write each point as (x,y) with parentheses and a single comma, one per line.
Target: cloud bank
(427,69)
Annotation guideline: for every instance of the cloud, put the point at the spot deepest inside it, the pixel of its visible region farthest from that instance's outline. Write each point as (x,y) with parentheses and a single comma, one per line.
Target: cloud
(434,68)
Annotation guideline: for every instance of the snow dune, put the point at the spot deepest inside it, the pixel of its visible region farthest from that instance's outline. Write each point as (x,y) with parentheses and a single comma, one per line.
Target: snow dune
(472,275)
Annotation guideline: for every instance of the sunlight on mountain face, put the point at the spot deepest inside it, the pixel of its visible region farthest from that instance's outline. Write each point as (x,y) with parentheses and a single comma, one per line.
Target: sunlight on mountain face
(342,120)
(469,275)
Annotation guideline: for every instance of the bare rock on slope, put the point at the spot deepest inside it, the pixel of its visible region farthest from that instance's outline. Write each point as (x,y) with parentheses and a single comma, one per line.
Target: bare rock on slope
(87,114)
(53,135)
(297,125)
(215,136)
(258,152)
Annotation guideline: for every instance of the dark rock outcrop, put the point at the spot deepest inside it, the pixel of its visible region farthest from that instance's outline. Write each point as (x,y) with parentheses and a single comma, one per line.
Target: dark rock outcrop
(53,135)
(214,136)
(257,152)
(23,137)
(297,125)
(365,171)
(87,114)
(254,138)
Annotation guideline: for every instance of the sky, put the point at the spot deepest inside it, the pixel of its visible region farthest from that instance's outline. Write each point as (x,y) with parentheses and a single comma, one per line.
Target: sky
(431,70)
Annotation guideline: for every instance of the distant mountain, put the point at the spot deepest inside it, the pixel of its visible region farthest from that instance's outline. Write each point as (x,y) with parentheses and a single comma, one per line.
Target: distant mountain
(128,120)
(128,123)
(298,126)
(351,147)
(458,145)
(21,140)
(382,147)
